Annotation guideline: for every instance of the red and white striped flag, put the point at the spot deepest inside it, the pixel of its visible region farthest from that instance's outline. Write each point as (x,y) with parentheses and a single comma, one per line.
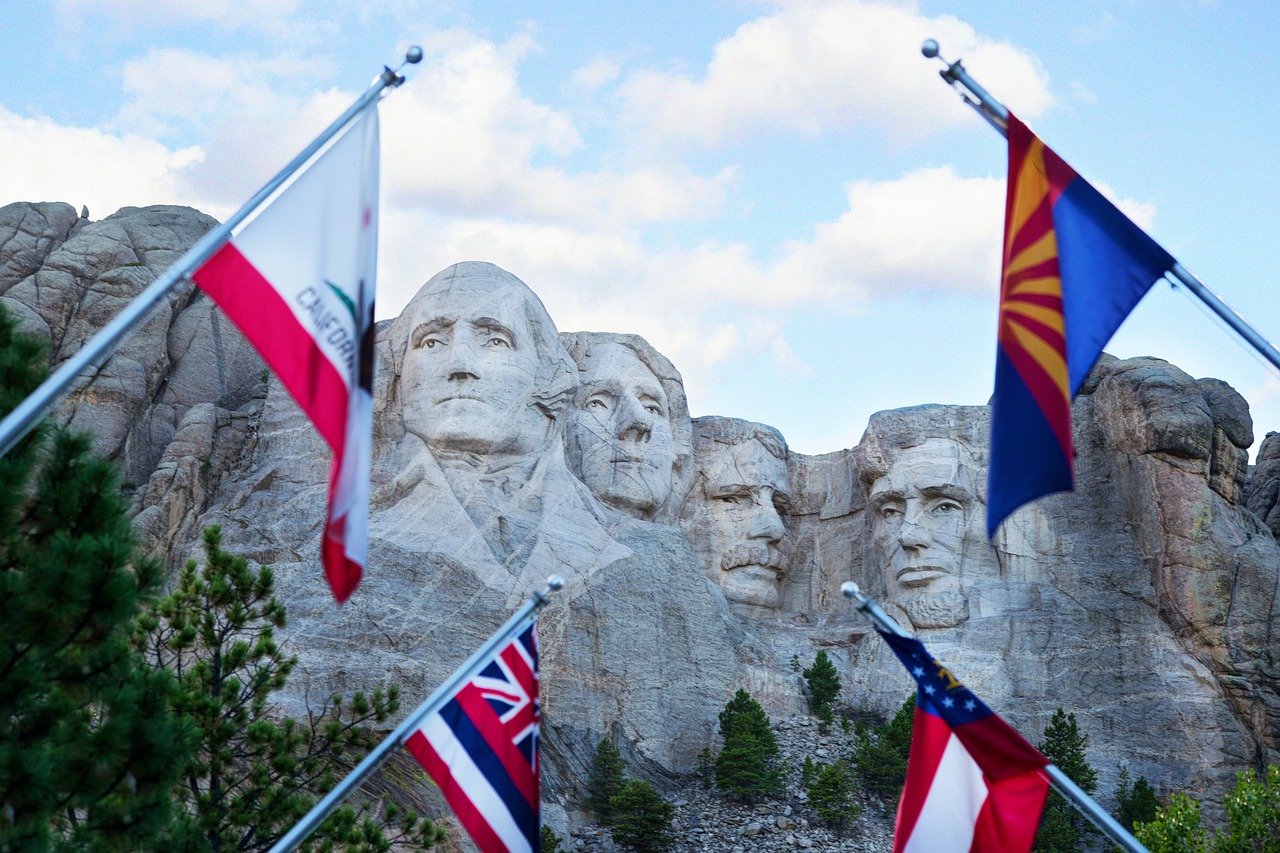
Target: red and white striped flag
(298,280)
(481,748)
(974,785)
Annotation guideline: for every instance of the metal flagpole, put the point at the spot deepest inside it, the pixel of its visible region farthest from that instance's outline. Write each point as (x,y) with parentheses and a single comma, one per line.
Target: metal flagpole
(997,115)
(100,347)
(1085,804)
(513,626)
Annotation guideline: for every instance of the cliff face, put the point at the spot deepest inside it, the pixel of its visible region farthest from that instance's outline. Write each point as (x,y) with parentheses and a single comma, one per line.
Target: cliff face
(702,555)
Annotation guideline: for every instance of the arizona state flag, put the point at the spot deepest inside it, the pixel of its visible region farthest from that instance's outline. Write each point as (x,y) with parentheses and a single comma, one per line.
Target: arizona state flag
(298,280)
(1074,267)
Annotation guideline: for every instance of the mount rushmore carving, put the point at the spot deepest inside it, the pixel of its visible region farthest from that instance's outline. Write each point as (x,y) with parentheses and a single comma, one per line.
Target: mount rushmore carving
(702,555)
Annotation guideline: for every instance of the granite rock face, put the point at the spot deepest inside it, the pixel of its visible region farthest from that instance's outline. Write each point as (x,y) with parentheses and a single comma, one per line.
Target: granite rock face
(65,277)
(701,555)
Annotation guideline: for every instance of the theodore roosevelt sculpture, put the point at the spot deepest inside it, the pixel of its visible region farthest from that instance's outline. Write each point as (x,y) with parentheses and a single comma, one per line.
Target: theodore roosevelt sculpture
(732,515)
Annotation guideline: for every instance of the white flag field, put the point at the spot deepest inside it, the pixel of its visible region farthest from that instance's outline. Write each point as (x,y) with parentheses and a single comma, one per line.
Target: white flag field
(298,279)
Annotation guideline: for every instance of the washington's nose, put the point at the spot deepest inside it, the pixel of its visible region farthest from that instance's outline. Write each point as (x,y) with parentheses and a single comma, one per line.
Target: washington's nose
(462,362)
(632,420)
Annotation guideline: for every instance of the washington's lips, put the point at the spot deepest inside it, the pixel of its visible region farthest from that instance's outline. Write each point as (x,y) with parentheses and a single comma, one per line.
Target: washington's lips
(920,575)
(477,398)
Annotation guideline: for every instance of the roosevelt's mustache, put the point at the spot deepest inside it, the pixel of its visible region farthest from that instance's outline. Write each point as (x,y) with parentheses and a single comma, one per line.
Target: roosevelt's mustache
(751,555)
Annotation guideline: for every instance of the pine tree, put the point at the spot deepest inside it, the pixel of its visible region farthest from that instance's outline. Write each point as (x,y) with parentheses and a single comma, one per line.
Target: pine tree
(641,818)
(1136,802)
(831,795)
(881,761)
(746,767)
(823,681)
(254,777)
(605,780)
(88,750)
(1062,828)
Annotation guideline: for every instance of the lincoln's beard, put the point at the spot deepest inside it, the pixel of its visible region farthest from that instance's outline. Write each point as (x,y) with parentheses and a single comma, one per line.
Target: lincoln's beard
(945,609)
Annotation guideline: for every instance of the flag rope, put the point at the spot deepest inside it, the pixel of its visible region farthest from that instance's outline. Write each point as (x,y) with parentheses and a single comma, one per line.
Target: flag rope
(518,622)
(1083,803)
(997,115)
(99,348)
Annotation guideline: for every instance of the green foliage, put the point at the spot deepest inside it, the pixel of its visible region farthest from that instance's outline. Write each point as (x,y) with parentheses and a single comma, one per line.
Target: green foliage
(880,757)
(641,818)
(550,841)
(808,772)
(706,767)
(1062,828)
(252,777)
(1253,814)
(746,768)
(1135,802)
(1175,829)
(825,719)
(605,781)
(831,795)
(88,750)
(823,681)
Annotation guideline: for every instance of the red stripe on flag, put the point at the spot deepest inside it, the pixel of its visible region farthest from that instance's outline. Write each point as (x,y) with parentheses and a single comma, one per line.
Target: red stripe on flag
(1010,815)
(343,574)
(998,749)
(264,318)
(498,736)
(468,815)
(928,741)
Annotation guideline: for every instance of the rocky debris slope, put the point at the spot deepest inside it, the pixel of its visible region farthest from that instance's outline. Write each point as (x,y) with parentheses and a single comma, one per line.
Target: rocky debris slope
(706,822)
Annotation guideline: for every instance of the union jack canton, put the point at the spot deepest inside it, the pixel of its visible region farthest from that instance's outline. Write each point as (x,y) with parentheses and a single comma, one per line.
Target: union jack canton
(481,748)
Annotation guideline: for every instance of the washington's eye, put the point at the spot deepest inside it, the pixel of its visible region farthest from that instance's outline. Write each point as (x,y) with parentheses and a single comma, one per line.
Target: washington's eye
(498,342)
(653,409)
(430,342)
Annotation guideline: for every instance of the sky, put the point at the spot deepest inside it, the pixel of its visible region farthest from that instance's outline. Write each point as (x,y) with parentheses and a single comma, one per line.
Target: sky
(782,197)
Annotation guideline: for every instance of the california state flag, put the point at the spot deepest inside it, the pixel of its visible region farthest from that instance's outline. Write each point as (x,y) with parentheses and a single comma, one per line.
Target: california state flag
(297,278)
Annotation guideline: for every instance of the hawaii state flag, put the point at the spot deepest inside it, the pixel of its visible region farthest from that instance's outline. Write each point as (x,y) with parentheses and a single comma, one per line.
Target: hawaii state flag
(973,784)
(1074,267)
(481,748)
(298,280)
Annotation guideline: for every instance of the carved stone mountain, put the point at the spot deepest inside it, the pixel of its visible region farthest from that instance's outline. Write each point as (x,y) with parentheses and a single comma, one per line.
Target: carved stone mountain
(702,555)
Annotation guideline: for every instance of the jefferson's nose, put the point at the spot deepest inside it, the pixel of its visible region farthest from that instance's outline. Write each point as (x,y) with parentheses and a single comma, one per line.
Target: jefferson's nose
(632,420)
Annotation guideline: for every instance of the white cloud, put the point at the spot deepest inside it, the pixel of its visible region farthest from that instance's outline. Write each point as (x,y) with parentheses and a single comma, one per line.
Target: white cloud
(45,161)
(227,13)
(819,65)
(463,138)
(592,77)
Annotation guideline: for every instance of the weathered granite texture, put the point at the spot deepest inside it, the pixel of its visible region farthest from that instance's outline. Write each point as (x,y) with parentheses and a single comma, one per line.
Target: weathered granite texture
(701,555)
(65,277)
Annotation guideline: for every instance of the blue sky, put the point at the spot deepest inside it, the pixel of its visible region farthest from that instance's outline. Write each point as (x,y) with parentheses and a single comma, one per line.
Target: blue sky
(781,196)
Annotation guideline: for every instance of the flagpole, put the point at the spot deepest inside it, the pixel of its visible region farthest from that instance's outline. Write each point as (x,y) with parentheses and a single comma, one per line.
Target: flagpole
(375,759)
(24,417)
(997,115)
(1085,804)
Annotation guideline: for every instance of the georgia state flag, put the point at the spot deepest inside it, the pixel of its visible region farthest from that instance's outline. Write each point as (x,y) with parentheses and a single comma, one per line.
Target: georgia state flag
(298,280)
(974,785)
